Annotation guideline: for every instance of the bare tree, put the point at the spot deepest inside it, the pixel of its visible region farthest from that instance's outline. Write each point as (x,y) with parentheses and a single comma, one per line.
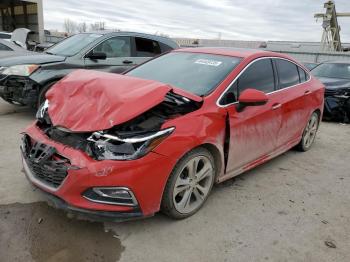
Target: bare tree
(69,26)
(82,27)
(98,26)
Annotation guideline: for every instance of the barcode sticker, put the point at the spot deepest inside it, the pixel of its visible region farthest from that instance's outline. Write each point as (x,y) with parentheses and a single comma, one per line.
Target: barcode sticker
(208,62)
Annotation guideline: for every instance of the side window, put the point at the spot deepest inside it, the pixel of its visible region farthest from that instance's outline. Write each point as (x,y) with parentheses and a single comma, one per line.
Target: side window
(4,48)
(115,47)
(287,73)
(146,47)
(258,75)
(302,75)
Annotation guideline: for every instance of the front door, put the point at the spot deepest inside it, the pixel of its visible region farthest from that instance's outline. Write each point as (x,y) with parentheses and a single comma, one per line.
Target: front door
(254,130)
(118,52)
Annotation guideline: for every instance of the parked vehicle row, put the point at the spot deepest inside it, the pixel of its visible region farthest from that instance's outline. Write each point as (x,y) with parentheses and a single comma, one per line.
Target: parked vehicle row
(27,78)
(159,136)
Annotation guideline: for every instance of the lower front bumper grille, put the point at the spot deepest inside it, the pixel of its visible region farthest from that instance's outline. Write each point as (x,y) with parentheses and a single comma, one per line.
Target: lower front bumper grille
(52,173)
(94,215)
(44,164)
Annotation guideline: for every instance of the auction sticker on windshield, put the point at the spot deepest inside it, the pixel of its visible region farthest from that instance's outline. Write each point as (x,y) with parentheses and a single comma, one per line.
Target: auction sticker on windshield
(208,62)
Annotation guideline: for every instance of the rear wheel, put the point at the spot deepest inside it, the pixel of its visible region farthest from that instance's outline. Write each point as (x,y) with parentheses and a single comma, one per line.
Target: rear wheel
(309,133)
(189,184)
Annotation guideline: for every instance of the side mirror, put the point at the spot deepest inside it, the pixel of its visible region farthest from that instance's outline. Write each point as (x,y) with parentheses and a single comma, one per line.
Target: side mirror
(96,55)
(252,97)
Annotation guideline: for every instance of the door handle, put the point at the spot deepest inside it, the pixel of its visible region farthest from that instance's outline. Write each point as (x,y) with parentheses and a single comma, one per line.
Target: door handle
(127,62)
(276,106)
(307,92)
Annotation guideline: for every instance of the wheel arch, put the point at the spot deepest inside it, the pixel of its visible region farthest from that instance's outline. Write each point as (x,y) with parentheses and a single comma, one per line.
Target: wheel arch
(319,113)
(218,158)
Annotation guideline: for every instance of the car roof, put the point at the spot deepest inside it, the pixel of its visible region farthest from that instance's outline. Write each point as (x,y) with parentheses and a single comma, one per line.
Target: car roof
(163,39)
(235,52)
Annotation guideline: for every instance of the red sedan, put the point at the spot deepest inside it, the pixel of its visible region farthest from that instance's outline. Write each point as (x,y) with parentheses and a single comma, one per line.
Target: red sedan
(159,136)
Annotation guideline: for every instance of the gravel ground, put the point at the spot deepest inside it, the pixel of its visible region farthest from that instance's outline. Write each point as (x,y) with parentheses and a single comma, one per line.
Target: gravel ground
(294,208)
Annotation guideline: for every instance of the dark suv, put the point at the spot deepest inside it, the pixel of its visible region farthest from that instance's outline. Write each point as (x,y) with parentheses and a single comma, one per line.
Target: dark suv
(25,79)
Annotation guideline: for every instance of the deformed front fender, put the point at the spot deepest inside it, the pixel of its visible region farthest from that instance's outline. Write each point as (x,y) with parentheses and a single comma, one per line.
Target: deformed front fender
(194,130)
(43,76)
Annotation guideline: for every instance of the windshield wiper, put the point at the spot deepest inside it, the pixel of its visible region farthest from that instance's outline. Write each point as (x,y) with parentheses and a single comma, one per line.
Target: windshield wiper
(49,53)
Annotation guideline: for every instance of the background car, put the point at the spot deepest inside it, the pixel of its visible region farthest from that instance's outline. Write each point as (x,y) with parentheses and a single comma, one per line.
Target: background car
(336,77)
(26,79)
(10,46)
(159,137)
(310,65)
(10,49)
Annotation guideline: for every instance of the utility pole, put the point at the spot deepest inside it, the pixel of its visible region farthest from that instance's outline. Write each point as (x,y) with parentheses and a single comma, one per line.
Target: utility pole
(330,40)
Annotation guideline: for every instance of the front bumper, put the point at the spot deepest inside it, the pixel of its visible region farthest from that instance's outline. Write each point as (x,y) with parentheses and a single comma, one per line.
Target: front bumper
(19,89)
(145,177)
(93,215)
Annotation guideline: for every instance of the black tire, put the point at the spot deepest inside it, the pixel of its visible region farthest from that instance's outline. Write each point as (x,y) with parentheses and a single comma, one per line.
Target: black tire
(167,204)
(43,91)
(303,146)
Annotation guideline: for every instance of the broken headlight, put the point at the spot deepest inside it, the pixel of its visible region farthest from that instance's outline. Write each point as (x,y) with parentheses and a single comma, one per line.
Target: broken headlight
(42,109)
(113,147)
(20,70)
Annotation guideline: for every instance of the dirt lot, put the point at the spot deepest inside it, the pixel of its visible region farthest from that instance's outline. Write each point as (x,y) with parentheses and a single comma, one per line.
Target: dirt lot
(294,208)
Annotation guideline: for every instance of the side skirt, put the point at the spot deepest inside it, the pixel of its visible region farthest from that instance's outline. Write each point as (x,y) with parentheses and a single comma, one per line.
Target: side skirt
(259,161)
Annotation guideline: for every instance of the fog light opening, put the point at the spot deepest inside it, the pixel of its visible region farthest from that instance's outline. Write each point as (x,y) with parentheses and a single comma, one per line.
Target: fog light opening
(111,195)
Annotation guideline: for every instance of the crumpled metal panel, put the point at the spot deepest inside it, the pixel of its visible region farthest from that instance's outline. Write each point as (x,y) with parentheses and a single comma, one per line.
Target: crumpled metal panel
(86,100)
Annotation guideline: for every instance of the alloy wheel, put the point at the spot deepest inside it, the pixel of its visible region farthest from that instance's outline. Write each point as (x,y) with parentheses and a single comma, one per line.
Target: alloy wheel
(310,131)
(193,184)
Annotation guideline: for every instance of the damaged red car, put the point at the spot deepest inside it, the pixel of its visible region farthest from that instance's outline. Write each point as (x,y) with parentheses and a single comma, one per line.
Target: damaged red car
(159,136)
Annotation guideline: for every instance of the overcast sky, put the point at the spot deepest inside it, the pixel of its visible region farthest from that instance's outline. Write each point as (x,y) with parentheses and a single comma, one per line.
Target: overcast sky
(233,19)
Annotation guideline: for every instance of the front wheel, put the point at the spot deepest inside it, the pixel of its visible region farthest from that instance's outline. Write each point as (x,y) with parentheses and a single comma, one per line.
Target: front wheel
(189,184)
(309,133)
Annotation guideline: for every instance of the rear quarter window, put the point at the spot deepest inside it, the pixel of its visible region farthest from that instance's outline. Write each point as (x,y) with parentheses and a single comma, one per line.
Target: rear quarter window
(302,75)
(146,47)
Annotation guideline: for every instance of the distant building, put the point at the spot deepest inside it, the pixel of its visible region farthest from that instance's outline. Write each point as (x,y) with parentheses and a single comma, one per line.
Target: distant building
(302,51)
(292,46)
(192,42)
(22,14)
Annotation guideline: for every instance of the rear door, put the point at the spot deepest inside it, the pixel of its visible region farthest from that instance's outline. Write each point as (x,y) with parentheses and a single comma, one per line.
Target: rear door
(253,131)
(293,93)
(119,55)
(144,49)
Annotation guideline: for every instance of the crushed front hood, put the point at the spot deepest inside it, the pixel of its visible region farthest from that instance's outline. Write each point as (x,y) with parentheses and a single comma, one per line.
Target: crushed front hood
(22,58)
(86,101)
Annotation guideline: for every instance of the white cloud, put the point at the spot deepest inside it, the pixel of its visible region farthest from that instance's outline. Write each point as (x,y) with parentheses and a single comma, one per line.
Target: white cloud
(239,19)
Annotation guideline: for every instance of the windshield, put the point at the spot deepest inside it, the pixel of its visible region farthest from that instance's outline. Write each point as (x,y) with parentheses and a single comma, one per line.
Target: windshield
(336,70)
(193,72)
(72,45)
